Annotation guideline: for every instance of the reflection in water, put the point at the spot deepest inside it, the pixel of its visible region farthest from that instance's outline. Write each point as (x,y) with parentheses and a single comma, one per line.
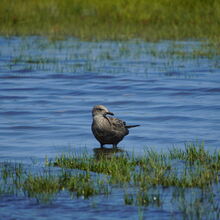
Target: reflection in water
(107,152)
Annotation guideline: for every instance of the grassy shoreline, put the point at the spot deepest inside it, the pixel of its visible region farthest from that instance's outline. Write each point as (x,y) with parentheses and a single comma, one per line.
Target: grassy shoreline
(112,20)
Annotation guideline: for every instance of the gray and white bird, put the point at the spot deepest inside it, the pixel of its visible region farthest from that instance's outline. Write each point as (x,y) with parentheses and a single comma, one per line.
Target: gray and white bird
(108,130)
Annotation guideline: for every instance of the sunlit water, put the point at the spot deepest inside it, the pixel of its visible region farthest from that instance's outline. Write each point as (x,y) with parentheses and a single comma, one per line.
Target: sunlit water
(47,91)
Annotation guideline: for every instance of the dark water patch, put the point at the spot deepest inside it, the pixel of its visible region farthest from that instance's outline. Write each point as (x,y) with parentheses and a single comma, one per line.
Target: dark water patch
(12,97)
(174,73)
(213,90)
(118,87)
(22,89)
(12,113)
(77,92)
(11,77)
(26,127)
(182,94)
(105,76)
(30,75)
(71,76)
(28,70)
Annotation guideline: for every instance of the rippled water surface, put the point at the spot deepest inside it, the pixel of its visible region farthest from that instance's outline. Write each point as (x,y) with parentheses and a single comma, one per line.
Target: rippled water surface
(47,91)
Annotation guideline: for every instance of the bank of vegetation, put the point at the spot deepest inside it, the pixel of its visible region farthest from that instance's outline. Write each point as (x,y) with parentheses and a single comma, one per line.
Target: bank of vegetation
(112,20)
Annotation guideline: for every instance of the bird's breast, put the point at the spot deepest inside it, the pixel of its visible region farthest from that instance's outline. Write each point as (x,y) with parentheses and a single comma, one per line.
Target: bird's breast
(101,123)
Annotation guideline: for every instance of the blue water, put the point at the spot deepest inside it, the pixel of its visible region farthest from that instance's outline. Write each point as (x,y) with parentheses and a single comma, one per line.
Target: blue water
(47,91)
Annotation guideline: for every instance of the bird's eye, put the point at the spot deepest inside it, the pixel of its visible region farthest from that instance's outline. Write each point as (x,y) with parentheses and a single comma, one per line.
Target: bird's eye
(99,109)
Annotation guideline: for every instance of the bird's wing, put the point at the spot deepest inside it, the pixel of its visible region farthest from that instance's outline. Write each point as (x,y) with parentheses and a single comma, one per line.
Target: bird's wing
(118,125)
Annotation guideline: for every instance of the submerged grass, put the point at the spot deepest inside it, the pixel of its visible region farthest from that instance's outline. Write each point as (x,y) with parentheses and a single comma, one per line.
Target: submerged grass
(190,175)
(121,19)
(174,59)
(199,167)
(44,186)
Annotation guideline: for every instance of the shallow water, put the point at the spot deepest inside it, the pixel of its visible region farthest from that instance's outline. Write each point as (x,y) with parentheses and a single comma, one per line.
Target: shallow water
(47,91)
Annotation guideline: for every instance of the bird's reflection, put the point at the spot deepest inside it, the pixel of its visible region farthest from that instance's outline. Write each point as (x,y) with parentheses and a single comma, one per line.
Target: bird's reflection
(100,153)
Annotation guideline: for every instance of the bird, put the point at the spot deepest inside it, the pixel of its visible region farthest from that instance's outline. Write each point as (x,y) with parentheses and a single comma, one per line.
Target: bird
(108,130)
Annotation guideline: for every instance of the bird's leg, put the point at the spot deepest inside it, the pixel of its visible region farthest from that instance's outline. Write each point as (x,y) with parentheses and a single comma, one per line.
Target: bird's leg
(114,146)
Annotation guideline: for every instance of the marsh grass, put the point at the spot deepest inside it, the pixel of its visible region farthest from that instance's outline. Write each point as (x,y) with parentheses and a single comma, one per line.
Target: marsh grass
(71,56)
(95,20)
(117,167)
(42,187)
(195,154)
(190,177)
(196,204)
(11,177)
(32,60)
(45,185)
(199,167)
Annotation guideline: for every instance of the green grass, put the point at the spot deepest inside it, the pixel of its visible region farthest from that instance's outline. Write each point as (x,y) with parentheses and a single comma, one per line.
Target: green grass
(118,168)
(117,19)
(186,178)
(41,187)
(44,186)
(200,168)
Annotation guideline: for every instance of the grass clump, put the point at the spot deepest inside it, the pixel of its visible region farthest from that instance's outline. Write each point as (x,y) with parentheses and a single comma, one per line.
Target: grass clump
(192,153)
(46,185)
(43,187)
(92,19)
(84,185)
(196,154)
(11,176)
(118,168)
(191,167)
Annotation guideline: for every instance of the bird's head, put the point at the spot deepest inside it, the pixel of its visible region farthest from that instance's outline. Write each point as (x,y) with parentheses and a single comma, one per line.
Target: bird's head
(100,110)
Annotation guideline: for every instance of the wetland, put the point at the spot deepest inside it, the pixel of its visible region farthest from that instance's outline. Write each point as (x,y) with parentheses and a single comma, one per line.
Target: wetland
(50,163)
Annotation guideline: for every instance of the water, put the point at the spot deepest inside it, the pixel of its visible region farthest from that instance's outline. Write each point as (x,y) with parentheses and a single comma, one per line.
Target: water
(47,91)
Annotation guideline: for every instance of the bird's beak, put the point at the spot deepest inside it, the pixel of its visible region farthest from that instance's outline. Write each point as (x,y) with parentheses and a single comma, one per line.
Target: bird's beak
(109,113)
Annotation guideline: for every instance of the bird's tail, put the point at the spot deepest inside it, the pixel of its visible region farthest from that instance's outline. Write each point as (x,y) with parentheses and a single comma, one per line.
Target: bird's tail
(131,126)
